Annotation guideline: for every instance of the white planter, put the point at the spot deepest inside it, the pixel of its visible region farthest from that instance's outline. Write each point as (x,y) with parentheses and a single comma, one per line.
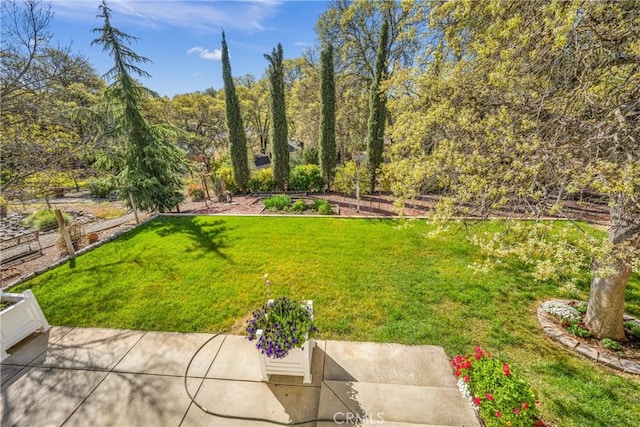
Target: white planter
(296,363)
(20,320)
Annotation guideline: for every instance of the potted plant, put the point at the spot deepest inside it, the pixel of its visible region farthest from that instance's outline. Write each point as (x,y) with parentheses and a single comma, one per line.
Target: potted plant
(20,316)
(283,330)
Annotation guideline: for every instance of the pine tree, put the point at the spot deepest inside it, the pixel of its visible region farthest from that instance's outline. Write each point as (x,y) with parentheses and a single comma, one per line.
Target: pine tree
(235,127)
(279,131)
(377,108)
(153,165)
(327,116)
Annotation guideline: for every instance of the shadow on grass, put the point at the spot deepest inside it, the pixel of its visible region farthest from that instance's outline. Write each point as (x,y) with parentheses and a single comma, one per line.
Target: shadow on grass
(206,234)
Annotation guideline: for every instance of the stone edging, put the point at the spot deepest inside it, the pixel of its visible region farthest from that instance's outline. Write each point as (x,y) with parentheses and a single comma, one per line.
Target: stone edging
(559,334)
(79,252)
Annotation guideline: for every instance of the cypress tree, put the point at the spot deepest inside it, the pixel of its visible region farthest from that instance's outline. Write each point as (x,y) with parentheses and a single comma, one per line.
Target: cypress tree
(377,108)
(279,131)
(327,116)
(153,166)
(235,128)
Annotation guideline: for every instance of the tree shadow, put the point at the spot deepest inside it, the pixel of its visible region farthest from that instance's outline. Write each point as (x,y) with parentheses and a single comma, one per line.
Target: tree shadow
(205,234)
(51,382)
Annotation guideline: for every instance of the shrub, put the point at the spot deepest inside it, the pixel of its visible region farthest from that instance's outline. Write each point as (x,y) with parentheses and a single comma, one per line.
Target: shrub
(278,202)
(306,178)
(578,328)
(501,396)
(633,327)
(226,173)
(298,206)
(102,187)
(346,176)
(262,180)
(45,220)
(611,344)
(322,206)
(196,192)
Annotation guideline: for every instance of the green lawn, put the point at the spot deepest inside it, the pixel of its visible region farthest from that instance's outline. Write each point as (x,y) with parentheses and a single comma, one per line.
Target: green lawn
(371,280)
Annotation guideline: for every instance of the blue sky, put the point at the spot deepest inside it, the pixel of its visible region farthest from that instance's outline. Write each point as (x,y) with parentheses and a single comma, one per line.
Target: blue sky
(182,37)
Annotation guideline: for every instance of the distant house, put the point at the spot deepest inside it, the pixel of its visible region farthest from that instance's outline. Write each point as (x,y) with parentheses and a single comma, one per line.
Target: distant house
(263,161)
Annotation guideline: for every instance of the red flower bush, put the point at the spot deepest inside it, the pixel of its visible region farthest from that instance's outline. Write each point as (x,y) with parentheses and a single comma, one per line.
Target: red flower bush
(508,399)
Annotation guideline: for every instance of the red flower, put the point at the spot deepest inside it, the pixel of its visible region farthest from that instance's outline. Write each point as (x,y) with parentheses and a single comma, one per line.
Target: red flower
(489,397)
(467,378)
(516,411)
(540,423)
(498,414)
(525,406)
(466,365)
(477,352)
(477,401)
(458,373)
(505,368)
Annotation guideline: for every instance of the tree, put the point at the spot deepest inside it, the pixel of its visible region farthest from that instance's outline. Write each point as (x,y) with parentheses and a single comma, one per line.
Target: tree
(235,128)
(279,131)
(153,168)
(328,116)
(202,118)
(46,127)
(526,106)
(254,98)
(377,109)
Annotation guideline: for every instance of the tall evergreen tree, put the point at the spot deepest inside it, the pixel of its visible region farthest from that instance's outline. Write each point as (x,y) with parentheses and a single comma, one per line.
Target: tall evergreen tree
(153,165)
(279,131)
(377,108)
(327,116)
(235,127)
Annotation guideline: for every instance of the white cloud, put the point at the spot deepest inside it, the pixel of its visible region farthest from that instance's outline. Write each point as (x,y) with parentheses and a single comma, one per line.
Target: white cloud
(216,54)
(202,16)
(302,44)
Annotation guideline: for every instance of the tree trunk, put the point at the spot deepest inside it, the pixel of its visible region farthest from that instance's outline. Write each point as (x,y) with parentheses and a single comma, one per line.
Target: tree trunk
(605,310)
(606,304)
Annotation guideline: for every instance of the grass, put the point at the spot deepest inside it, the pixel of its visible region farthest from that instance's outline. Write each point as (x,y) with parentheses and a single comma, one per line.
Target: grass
(371,280)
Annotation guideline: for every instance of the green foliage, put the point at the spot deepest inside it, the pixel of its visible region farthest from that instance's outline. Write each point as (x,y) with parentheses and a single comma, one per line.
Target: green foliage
(225,173)
(322,206)
(327,143)
(102,187)
(348,175)
(578,328)
(277,202)
(262,180)
(502,396)
(633,327)
(377,108)
(611,344)
(306,178)
(45,220)
(298,206)
(153,165)
(279,129)
(196,192)
(235,127)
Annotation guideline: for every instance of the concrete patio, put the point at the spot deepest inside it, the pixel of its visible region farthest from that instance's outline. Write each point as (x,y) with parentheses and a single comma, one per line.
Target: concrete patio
(108,377)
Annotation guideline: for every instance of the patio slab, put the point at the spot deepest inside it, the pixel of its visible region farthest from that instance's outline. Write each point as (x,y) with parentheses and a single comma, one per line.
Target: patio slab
(135,400)
(388,363)
(107,377)
(166,353)
(279,402)
(88,348)
(45,396)
(395,403)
